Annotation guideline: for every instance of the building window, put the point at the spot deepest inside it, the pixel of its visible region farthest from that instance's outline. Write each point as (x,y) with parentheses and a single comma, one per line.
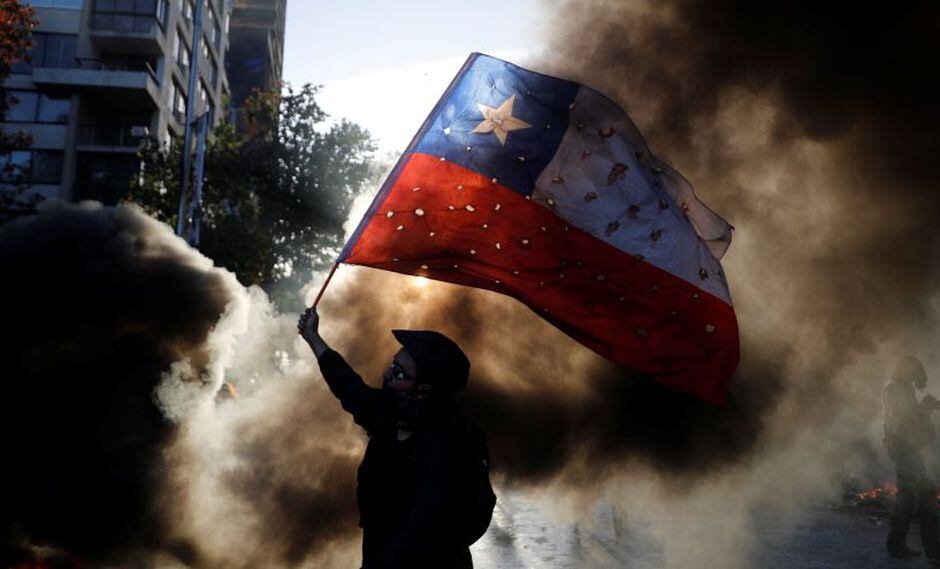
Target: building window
(46,167)
(188,7)
(205,105)
(128,15)
(22,66)
(217,30)
(182,54)
(178,103)
(210,23)
(14,167)
(23,106)
(107,127)
(213,72)
(105,177)
(53,109)
(172,94)
(162,9)
(31,166)
(26,64)
(77,4)
(32,106)
(213,27)
(49,50)
(58,50)
(203,97)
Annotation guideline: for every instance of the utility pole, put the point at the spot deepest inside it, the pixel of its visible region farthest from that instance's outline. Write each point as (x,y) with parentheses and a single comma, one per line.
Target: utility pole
(197,181)
(191,99)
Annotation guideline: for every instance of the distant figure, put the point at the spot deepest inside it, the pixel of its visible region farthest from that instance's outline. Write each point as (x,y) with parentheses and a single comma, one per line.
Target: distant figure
(907,430)
(423,486)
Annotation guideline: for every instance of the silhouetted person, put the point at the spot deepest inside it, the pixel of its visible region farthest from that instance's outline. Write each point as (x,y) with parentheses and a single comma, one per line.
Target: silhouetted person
(419,479)
(907,430)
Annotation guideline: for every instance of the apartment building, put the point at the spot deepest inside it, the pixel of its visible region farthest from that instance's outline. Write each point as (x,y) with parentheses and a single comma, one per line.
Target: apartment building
(104,75)
(256,56)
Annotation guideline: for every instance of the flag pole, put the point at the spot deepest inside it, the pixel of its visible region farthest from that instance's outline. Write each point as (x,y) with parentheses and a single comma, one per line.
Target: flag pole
(392,176)
(325,283)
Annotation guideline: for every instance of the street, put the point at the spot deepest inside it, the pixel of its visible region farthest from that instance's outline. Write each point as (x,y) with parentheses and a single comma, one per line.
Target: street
(523,537)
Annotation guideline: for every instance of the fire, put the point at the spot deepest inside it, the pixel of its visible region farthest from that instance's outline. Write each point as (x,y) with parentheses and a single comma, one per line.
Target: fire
(228,392)
(875,492)
(878,493)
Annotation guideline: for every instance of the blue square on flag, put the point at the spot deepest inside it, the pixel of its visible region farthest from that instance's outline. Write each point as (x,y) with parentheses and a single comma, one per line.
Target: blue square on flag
(544,190)
(524,136)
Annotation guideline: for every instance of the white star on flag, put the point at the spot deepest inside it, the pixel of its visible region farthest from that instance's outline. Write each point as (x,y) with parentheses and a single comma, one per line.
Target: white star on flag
(499,121)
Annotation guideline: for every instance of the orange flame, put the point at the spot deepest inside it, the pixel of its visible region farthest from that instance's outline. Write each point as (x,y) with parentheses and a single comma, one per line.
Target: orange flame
(886,489)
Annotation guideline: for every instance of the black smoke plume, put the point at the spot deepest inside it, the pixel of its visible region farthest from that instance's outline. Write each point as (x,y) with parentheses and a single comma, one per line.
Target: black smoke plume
(813,128)
(115,339)
(96,307)
(549,406)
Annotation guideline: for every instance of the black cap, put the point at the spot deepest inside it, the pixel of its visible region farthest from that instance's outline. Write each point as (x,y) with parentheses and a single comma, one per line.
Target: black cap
(440,360)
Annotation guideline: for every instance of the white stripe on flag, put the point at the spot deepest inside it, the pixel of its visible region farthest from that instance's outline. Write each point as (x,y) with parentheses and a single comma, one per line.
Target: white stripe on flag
(603,180)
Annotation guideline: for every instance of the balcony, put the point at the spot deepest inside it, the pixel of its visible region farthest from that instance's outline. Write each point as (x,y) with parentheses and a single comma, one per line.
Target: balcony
(113,136)
(127,33)
(118,65)
(132,81)
(258,13)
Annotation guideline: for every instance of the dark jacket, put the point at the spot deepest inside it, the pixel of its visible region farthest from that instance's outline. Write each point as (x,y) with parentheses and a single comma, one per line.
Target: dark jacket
(409,492)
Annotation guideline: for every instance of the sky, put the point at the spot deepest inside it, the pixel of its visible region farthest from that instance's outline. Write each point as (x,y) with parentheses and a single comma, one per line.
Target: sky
(387,70)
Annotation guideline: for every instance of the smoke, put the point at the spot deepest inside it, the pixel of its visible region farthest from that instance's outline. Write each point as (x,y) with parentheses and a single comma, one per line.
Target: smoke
(812,128)
(93,305)
(116,338)
(124,452)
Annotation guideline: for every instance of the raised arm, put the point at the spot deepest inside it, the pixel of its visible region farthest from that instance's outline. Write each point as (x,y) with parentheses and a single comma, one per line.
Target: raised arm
(308,326)
(364,403)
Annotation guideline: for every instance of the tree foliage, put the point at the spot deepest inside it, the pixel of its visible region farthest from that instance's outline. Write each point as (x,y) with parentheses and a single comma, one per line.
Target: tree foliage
(16,25)
(276,191)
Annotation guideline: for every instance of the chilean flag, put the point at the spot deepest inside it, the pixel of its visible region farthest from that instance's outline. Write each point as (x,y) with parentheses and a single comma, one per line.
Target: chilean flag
(544,190)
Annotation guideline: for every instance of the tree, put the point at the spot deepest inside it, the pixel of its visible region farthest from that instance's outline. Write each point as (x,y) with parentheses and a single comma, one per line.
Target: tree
(276,191)
(16,24)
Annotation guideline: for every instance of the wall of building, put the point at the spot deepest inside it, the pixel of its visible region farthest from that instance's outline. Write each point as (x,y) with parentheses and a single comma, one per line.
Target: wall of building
(105,74)
(256,36)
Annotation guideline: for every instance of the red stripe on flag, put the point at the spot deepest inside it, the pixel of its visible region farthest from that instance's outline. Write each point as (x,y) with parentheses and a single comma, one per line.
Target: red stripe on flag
(442,221)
